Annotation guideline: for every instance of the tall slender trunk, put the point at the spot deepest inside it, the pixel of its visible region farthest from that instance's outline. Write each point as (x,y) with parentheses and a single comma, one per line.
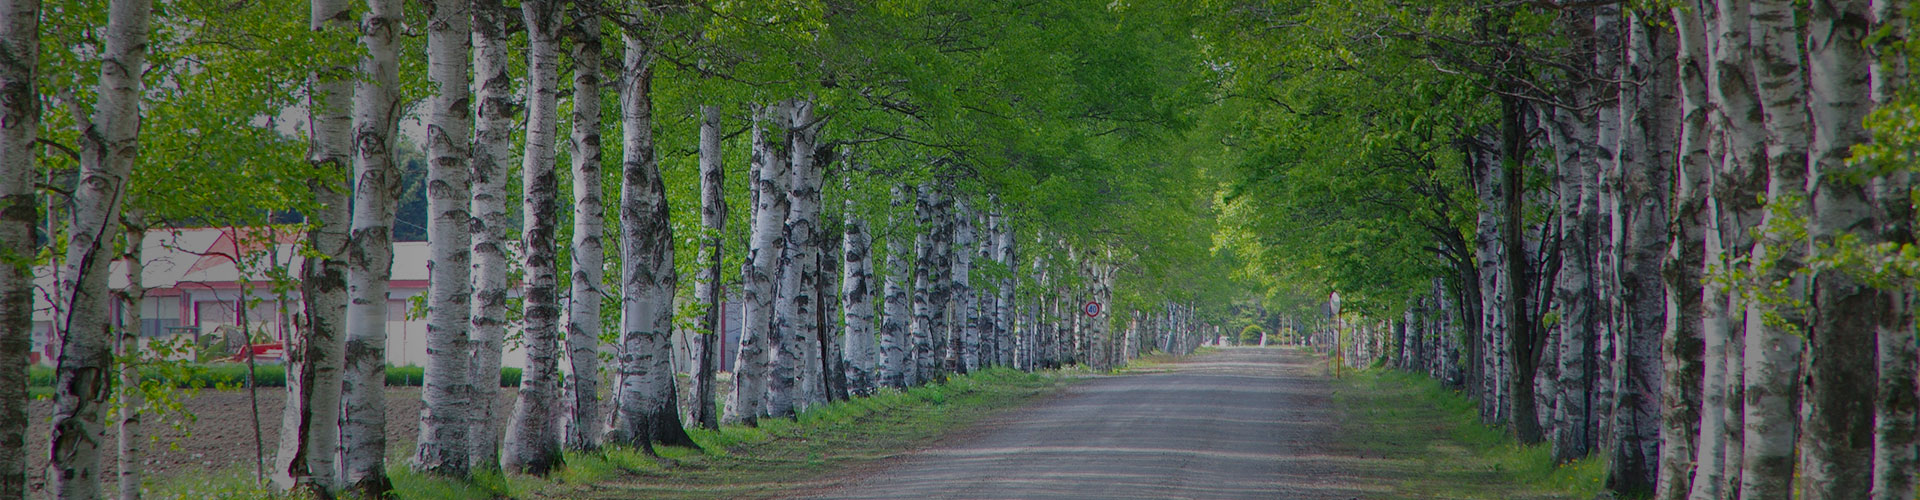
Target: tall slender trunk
(965,302)
(310,425)
(924,274)
(1579,162)
(896,343)
(797,374)
(648,410)
(750,398)
(532,442)
(941,358)
(1894,456)
(707,287)
(1776,322)
(1609,314)
(376,189)
(1520,349)
(857,288)
(1646,163)
(832,360)
(1685,410)
(447,391)
(127,347)
(585,427)
(1487,378)
(492,149)
(1738,183)
(19,128)
(1841,366)
(108,142)
(1004,324)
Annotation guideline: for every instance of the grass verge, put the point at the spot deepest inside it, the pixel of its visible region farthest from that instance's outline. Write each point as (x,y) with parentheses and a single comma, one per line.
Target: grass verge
(1428,441)
(779,456)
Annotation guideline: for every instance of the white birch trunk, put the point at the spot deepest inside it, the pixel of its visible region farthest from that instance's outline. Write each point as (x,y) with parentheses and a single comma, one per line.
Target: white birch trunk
(1738,183)
(1646,162)
(749,400)
(1684,450)
(492,149)
(108,143)
(1773,331)
(943,359)
(533,441)
(924,275)
(309,449)
(586,425)
(830,344)
(1005,330)
(856,286)
(1894,455)
(648,411)
(1841,364)
(19,128)
(447,391)
(797,374)
(376,189)
(965,303)
(896,343)
(707,288)
(127,345)
(1577,154)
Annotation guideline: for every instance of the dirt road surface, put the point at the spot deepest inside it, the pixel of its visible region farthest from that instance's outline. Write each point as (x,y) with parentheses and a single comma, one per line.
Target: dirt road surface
(1234,423)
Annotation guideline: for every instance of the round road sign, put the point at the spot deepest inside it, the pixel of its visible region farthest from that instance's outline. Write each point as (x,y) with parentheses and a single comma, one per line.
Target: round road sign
(1092,309)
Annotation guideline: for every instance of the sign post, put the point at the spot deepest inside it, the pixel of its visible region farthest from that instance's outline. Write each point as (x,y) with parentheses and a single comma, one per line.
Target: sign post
(1092,309)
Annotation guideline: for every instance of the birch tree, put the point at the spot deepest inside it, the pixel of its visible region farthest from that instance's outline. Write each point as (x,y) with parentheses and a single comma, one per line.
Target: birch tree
(532,441)
(964,303)
(493,140)
(1739,181)
(583,304)
(1646,160)
(922,329)
(376,189)
(130,438)
(1005,332)
(796,374)
(857,289)
(1685,410)
(1577,157)
(749,400)
(1845,308)
(896,343)
(309,431)
(1776,320)
(447,389)
(19,129)
(108,141)
(1898,395)
(707,287)
(648,411)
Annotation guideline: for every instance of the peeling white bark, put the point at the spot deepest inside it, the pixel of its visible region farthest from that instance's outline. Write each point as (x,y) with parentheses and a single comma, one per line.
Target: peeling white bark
(447,391)
(108,142)
(492,149)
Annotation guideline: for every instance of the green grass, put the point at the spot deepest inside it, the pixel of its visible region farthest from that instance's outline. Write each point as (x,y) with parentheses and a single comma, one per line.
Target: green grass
(779,454)
(732,462)
(1428,442)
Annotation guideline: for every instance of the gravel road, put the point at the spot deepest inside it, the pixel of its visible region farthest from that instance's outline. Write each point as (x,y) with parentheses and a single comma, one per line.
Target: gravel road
(1233,423)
